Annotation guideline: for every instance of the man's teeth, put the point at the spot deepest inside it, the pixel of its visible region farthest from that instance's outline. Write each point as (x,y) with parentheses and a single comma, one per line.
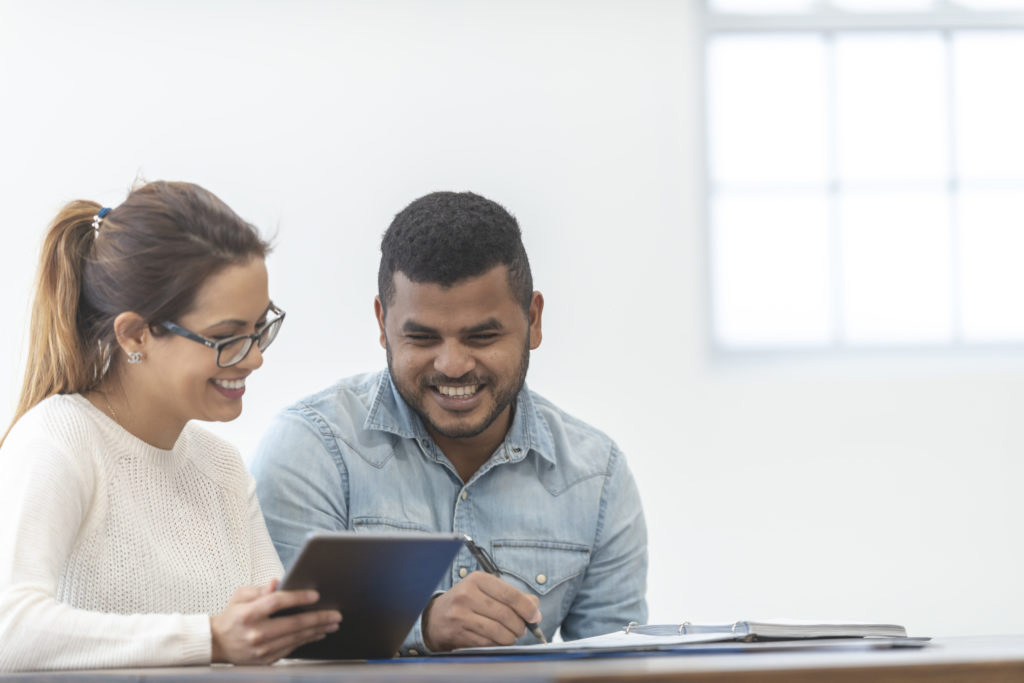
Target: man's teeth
(230,383)
(460,392)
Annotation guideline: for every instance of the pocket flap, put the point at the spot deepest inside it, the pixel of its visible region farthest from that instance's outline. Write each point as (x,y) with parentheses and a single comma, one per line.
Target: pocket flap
(541,565)
(385,524)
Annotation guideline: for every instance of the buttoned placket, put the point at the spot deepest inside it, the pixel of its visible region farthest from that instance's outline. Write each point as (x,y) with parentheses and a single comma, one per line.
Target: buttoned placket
(464,507)
(527,434)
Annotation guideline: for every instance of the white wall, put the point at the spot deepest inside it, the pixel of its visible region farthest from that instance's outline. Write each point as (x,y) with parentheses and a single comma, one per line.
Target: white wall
(868,488)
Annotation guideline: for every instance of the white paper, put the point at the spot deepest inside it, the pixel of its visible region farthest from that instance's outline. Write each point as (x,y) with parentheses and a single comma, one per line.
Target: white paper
(618,640)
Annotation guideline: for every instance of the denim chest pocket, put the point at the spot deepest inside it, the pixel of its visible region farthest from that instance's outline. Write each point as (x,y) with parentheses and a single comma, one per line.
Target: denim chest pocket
(379,525)
(541,565)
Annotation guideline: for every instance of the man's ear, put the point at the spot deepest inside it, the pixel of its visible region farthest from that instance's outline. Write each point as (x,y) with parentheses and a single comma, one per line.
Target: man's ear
(132,332)
(378,310)
(536,311)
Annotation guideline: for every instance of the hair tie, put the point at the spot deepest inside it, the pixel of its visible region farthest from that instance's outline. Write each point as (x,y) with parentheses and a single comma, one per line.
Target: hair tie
(97,219)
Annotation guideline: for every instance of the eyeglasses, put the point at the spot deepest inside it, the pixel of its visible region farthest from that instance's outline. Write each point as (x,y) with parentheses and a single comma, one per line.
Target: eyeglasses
(233,350)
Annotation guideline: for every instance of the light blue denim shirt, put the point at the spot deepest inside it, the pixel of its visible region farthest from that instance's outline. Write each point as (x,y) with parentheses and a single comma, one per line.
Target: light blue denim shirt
(555,504)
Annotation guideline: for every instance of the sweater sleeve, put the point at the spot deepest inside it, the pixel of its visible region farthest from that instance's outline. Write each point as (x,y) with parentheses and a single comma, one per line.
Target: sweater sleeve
(47,493)
(266,565)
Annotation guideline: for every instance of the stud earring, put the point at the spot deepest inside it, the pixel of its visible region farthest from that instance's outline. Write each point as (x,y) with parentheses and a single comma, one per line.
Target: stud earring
(135,357)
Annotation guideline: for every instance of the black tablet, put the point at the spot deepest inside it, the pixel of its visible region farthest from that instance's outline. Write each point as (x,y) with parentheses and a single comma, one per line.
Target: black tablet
(379,582)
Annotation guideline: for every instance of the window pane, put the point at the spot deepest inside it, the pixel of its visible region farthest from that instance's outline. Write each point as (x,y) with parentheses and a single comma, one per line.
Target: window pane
(991,5)
(990,108)
(761,6)
(770,270)
(896,268)
(767,109)
(992,264)
(884,5)
(891,98)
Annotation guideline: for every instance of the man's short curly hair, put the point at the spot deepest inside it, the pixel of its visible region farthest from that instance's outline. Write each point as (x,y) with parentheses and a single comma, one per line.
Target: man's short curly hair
(446,237)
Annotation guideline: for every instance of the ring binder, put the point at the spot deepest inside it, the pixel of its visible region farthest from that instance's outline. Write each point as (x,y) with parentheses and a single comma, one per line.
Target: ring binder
(677,637)
(760,630)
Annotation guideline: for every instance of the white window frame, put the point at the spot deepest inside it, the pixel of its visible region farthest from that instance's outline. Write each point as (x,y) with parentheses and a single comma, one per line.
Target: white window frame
(825,19)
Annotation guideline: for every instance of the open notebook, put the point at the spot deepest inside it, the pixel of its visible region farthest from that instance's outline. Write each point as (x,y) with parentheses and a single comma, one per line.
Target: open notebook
(767,630)
(642,637)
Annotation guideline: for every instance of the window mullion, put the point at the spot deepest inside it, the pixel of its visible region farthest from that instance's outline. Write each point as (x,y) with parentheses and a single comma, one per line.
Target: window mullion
(834,189)
(953,192)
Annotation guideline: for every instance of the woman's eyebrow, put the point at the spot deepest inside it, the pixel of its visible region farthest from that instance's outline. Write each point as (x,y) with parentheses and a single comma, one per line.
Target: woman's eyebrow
(232,322)
(239,323)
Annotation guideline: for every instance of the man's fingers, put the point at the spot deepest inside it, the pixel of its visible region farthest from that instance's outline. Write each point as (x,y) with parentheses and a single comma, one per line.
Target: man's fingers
(500,613)
(479,610)
(525,606)
(492,631)
(471,639)
(486,612)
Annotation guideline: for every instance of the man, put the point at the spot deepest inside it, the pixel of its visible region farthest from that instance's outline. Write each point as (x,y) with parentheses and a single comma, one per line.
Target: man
(450,439)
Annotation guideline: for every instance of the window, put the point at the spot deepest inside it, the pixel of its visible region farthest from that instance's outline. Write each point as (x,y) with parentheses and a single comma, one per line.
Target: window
(865,173)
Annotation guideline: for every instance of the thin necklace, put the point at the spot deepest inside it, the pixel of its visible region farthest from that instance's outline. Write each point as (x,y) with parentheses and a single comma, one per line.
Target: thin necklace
(113,413)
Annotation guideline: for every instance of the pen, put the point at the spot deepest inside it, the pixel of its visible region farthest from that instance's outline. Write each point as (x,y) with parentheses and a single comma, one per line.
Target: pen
(487,564)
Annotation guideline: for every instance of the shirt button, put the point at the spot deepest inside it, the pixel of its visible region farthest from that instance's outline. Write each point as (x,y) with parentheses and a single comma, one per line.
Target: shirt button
(413,652)
(465,495)
(541,579)
(462,573)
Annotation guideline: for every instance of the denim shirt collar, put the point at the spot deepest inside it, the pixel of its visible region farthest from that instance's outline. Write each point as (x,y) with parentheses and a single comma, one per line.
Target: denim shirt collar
(390,413)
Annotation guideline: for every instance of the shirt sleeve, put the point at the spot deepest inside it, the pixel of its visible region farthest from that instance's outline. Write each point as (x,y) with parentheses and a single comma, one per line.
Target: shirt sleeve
(614,587)
(301,481)
(47,495)
(415,643)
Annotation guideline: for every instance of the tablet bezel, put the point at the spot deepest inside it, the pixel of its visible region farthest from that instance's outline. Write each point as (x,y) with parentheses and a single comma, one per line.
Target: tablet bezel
(379,581)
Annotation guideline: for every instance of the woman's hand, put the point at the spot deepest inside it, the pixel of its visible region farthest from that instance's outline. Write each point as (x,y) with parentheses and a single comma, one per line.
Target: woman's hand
(245,633)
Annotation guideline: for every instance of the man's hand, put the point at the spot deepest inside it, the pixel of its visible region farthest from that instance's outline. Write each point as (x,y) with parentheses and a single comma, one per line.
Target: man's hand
(245,633)
(478,611)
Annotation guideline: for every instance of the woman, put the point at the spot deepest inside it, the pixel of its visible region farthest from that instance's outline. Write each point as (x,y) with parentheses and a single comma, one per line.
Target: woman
(125,528)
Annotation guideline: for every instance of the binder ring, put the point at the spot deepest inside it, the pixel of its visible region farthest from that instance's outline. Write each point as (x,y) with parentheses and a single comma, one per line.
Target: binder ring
(682,627)
(631,625)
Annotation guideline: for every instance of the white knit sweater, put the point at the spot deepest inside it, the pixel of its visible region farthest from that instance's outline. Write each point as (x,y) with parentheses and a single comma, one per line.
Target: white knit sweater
(113,553)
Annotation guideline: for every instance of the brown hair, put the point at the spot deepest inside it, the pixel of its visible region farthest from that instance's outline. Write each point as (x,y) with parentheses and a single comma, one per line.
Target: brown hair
(149,255)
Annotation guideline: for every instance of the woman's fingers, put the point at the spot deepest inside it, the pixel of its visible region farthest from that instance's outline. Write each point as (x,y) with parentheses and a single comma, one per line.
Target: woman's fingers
(247,631)
(251,593)
(280,600)
(286,644)
(246,594)
(279,627)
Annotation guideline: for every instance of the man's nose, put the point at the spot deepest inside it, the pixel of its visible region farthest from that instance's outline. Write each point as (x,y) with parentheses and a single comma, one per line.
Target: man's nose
(454,360)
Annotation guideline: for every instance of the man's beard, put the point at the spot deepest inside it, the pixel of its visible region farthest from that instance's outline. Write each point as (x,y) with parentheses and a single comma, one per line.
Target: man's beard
(504,396)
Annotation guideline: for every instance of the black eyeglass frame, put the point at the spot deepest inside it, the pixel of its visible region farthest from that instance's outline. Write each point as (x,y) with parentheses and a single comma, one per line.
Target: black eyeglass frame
(218,344)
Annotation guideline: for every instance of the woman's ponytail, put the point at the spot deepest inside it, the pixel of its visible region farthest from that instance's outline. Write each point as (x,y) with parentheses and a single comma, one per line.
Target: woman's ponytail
(59,361)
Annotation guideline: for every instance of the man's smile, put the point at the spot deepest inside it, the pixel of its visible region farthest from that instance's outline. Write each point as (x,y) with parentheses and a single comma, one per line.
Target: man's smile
(458,391)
